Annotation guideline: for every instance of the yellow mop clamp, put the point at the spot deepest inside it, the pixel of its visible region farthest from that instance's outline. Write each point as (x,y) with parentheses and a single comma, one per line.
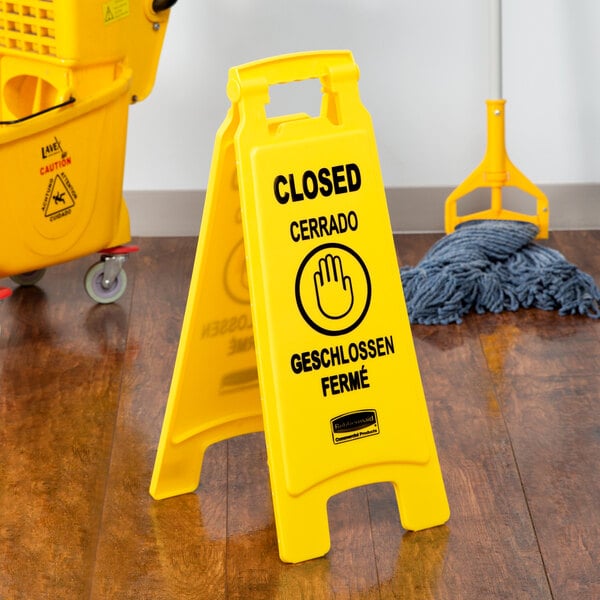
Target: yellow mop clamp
(296,321)
(496,171)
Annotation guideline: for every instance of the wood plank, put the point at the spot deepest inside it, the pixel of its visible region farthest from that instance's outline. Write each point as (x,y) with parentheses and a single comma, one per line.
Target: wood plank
(252,562)
(411,247)
(488,548)
(546,373)
(409,564)
(174,548)
(582,248)
(353,571)
(512,400)
(61,359)
(254,569)
(555,429)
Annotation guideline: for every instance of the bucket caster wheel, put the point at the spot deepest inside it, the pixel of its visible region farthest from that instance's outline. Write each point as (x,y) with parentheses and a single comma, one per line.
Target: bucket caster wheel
(30,278)
(101,290)
(106,281)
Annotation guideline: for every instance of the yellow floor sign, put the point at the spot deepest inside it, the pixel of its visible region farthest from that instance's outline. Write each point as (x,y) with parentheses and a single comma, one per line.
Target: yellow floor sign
(296,254)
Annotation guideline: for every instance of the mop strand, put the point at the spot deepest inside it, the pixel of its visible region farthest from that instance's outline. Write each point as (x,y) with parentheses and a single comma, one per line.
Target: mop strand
(493,266)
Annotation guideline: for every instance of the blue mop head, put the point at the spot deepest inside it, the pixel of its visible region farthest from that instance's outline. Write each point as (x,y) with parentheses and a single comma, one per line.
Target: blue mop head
(492,266)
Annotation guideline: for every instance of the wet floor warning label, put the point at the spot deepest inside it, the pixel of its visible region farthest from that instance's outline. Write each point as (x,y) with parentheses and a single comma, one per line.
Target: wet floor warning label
(59,198)
(115,10)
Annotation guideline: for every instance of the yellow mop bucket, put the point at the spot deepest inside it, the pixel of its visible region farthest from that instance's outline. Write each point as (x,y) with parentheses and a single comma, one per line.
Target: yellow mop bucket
(68,72)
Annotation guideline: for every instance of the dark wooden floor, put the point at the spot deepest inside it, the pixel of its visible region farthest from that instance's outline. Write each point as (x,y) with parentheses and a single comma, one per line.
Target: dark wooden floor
(514,401)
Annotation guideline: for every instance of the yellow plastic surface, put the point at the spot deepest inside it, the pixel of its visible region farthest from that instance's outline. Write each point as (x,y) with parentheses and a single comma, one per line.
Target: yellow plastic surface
(77,35)
(340,392)
(214,391)
(62,182)
(68,72)
(496,171)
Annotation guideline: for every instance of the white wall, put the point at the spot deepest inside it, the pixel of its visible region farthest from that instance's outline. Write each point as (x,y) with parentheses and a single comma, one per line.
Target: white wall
(424,79)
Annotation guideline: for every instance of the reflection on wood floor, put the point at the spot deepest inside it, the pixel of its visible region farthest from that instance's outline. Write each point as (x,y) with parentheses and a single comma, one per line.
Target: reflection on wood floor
(513,399)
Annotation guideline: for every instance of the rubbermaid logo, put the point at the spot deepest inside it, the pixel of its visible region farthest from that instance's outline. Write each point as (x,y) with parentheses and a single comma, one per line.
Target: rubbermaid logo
(354,425)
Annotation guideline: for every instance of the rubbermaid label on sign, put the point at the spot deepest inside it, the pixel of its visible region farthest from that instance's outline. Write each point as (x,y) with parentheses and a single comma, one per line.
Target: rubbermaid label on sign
(115,10)
(354,425)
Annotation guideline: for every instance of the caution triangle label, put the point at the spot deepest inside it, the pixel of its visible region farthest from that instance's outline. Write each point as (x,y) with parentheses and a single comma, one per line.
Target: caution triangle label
(60,197)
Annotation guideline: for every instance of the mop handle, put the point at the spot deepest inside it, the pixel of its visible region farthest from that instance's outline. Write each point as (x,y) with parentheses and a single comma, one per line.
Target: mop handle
(495,49)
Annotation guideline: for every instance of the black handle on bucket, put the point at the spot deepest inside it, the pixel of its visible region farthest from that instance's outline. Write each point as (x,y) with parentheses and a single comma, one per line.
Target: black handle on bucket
(160,5)
(41,112)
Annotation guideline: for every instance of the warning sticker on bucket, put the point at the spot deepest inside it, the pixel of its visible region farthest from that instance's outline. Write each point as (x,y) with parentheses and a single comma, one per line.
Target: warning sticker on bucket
(115,10)
(59,198)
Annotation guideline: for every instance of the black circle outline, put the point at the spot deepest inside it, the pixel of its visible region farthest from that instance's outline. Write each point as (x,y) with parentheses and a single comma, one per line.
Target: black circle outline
(300,306)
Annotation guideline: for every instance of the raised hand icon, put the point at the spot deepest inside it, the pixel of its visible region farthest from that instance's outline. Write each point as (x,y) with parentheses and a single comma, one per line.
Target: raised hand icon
(333,289)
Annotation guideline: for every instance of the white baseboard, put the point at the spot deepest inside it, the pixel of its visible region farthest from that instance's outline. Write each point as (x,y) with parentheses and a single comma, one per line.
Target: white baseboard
(412,210)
